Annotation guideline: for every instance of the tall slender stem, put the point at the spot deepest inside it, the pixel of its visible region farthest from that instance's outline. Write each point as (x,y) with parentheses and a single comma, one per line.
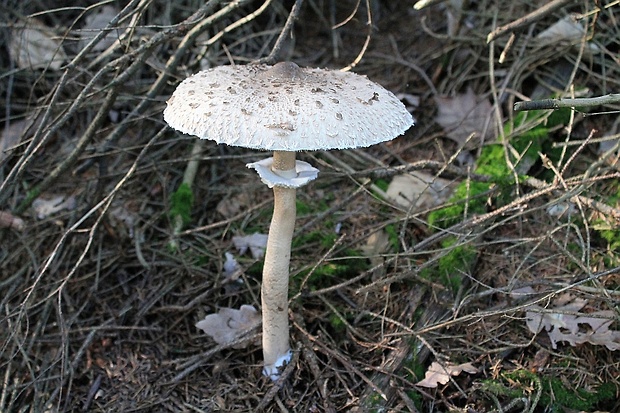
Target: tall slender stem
(274,292)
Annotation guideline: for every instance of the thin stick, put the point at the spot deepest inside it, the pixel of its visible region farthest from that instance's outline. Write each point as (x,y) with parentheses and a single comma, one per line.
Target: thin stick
(238,23)
(527,19)
(273,55)
(112,88)
(359,56)
(425,3)
(273,391)
(567,103)
(67,161)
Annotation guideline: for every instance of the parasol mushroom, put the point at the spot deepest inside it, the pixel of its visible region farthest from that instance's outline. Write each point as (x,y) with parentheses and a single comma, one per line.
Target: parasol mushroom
(284,108)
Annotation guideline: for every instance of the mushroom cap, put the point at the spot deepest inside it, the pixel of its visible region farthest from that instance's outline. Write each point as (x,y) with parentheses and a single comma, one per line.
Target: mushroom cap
(286,108)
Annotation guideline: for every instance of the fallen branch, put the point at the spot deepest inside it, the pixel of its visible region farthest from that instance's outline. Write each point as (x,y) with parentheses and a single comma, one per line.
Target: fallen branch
(567,103)
(527,19)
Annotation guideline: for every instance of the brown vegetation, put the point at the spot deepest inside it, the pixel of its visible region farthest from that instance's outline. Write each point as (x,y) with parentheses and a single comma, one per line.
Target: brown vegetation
(99,297)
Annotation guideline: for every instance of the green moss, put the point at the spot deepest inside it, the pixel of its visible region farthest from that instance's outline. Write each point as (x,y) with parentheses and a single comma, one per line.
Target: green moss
(466,198)
(576,399)
(492,162)
(255,270)
(382,184)
(607,230)
(558,117)
(607,392)
(202,261)
(555,396)
(181,202)
(609,234)
(529,136)
(497,388)
(471,197)
(393,237)
(348,263)
(414,371)
(412,365)
(323,237)
(337,323)
(313,207)
(417,399)
(452,265)
(341,268)
(537,123)
(528,124)
(303,208)
(373,402)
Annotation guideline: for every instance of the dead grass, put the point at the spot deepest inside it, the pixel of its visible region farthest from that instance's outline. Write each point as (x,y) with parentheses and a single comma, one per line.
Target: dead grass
(98,312)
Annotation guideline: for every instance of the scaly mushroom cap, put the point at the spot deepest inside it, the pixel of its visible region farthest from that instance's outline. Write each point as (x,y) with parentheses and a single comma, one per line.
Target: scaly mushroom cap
(286,108)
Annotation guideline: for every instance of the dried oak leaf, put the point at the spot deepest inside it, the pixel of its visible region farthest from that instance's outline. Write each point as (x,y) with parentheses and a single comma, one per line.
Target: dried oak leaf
(569,29)
(34,46)
(8,220)
(12,135)
(228,324)
(97,20)
(440,374)
(256,243)
(45,206)
(464,114)
(538,318)
(419,190)
(566,324)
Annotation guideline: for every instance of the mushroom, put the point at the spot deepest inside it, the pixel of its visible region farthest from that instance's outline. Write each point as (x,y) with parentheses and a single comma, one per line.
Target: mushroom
(284,108)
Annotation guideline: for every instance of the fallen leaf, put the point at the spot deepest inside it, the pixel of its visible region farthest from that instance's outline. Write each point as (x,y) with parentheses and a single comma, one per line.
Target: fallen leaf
(97,20)
(231,267)
(8,220)
(568,298)
(34,46)
(539,318)
(377,244)
(124,214)
(540,360)
(454,14)
(44,207)
(420,189)
(562,210)
(411,102)
(231,206)
(11,135)
(608,148)
(228,324)
(464,114)
(607,145)
(564,323)
(465,158)
(256,243)
(440,374)
(568,28)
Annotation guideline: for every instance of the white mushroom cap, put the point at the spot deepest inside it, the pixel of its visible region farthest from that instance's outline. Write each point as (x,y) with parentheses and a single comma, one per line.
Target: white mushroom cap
(286,108)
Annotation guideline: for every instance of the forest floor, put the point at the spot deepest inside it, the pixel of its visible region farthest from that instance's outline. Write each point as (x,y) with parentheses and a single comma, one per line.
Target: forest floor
(469,265)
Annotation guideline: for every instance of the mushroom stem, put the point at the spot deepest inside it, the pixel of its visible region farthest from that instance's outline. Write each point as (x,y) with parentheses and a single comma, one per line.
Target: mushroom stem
(274,293)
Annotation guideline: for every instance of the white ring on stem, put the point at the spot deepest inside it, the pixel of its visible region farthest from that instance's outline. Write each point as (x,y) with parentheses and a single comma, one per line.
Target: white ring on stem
(305,173)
